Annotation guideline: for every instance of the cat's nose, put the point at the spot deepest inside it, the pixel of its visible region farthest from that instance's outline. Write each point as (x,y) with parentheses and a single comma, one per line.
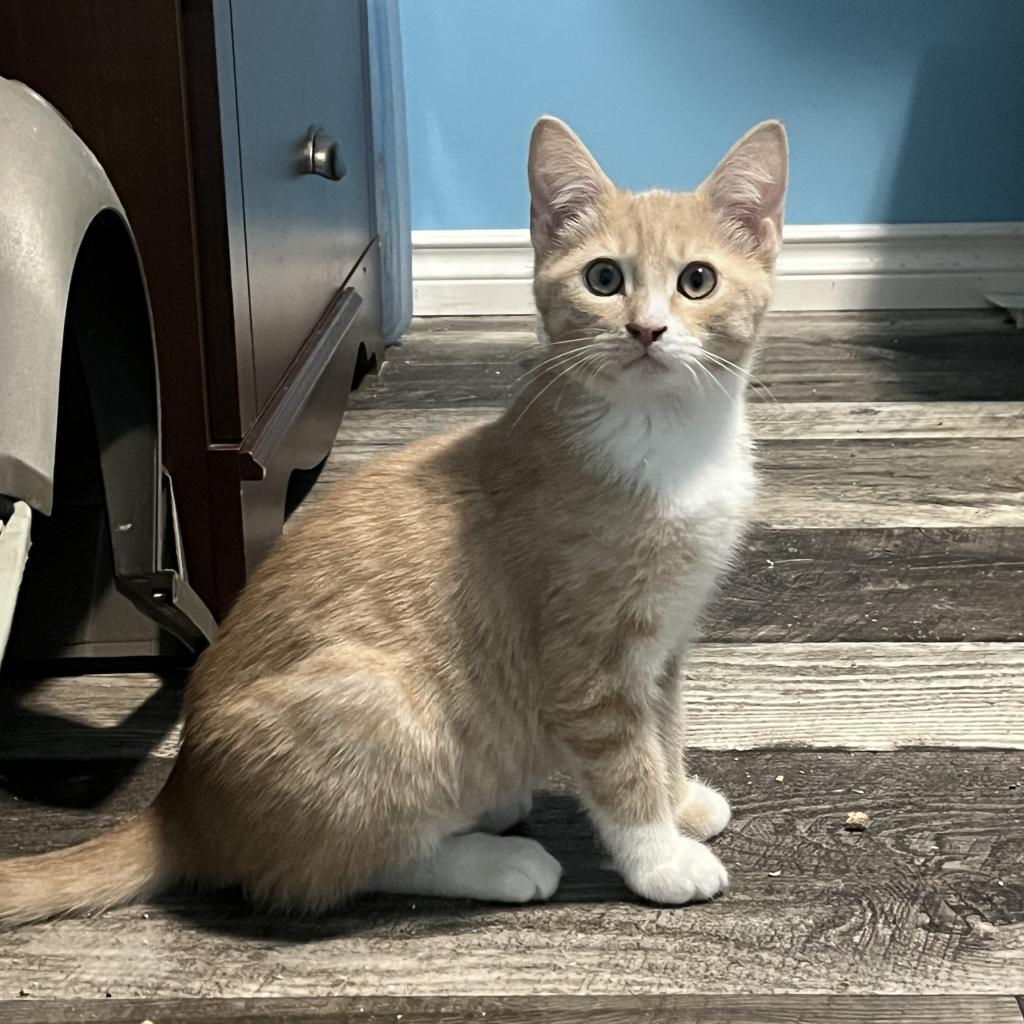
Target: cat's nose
(646,335)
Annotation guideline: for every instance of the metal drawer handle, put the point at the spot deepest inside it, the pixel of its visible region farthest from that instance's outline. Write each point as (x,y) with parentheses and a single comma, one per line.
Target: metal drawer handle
(322,156)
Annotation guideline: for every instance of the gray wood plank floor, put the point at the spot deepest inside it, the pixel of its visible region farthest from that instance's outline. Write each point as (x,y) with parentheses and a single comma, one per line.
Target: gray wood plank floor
(748,1009)
(867,653)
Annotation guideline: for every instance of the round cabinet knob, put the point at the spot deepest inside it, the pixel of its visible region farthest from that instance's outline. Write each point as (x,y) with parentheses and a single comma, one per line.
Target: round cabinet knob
(323,156)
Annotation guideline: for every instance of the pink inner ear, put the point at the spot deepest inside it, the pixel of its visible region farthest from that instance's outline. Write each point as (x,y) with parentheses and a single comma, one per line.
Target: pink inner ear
(560,198)
(749,186)
(747,197)
(750,211)
(565,180)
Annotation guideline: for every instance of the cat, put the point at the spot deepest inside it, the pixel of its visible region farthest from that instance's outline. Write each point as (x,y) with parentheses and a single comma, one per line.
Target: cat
(460,618)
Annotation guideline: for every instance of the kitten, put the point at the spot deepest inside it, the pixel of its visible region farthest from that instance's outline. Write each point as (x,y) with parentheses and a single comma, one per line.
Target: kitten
(465,615)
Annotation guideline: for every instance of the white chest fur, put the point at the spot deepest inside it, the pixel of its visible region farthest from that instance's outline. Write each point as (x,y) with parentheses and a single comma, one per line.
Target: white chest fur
(696,463)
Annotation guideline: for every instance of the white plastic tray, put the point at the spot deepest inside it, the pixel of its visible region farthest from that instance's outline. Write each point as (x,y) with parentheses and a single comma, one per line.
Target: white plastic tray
(15,537)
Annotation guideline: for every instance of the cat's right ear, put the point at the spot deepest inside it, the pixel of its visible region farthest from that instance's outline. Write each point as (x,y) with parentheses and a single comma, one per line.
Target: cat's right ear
(566,182)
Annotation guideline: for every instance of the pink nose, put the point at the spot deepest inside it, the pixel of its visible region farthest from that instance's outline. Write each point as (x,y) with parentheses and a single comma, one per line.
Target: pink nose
(647,336)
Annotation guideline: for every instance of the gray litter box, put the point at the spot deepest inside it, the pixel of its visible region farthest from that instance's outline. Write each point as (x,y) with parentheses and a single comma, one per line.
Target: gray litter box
(79,412)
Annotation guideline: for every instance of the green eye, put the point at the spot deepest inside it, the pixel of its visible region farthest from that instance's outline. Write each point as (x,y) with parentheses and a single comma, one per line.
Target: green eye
(697,281)
(603,277)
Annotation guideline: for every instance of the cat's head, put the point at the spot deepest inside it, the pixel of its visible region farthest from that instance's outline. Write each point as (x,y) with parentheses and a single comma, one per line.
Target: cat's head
(654,289)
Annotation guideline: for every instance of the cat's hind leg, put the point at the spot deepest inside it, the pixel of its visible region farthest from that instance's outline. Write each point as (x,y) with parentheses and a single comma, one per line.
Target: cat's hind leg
(339,776)
(505,869)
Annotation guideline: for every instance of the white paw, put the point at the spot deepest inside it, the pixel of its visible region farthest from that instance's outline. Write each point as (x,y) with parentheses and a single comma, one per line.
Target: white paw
(689,872)
(508,813)
(524,871)
(478,866)
(704,813)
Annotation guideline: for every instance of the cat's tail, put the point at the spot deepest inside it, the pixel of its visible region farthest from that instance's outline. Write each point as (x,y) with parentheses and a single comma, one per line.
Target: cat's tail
(131,862)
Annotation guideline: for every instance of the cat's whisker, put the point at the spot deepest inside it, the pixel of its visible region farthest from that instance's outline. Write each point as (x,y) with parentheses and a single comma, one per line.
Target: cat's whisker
(591,333)
(714,380)
(705,375)
(553,347)
(693,373)
(551,363)
(725,362)
(717,362)
(530,404)
(594,359)
(554,359)
(760,387)
(598,367)
(737,373)
(547,346)
(562,341)
(548,364)
(589,336)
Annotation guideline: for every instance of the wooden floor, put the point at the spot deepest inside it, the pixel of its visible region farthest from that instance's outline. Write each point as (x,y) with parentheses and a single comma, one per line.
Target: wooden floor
(867,654)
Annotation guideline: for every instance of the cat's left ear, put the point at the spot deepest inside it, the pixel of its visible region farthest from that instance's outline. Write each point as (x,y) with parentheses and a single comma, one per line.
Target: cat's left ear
(748,188)
(566,182)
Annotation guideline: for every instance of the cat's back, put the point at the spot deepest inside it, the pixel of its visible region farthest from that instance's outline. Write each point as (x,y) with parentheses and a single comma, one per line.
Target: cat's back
(367,558)
(396,497)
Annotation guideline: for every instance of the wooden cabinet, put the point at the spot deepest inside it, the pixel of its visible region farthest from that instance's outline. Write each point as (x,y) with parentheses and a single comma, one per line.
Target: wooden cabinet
(237,135)
(296,92)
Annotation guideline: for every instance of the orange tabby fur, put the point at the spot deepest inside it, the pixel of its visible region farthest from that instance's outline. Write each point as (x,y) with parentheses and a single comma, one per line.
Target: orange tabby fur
(459,618)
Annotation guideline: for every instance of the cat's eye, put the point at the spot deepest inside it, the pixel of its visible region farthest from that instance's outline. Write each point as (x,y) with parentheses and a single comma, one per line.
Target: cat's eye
(603,277)
(697,281)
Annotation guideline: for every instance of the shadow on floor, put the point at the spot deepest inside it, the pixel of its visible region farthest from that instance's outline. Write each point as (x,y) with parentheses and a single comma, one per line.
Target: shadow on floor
(87,779)
(557,821)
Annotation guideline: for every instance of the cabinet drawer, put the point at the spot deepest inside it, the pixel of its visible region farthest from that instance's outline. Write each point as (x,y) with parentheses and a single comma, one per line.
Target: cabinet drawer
(299,65)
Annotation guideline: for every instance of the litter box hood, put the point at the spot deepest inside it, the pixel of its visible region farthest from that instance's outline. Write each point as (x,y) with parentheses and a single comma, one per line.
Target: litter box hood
(51,190)
(71,282)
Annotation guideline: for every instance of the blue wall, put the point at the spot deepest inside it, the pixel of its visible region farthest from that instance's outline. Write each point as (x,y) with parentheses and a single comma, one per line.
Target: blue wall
(898,110)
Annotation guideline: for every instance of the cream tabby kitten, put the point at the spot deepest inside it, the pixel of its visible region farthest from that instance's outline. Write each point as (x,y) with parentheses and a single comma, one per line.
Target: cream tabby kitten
(465,615)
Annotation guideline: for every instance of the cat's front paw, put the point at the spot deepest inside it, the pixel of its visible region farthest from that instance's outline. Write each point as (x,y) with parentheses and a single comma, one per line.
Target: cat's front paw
(689,872)
(704,812)
(524,872)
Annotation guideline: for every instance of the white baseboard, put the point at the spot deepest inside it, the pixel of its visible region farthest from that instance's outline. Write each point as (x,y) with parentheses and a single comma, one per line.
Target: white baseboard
(822,267)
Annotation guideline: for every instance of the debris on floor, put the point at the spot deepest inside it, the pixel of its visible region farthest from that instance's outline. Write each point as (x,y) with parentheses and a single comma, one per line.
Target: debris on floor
(856,821)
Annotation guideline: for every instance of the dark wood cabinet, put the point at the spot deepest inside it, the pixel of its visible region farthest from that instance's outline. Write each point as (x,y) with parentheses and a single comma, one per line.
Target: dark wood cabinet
(296,91)
(237,135)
